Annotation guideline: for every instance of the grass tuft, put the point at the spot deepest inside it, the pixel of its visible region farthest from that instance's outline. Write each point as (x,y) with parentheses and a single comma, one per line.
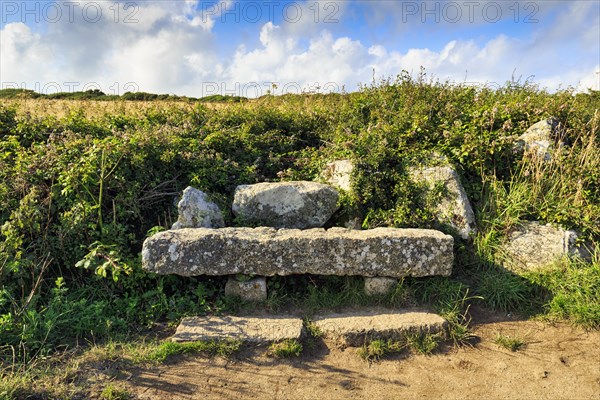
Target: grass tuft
(379,348)
(574,291)
(113,392)
(514,343)
(285,349)
(504,291)
(168,349)
(423,343)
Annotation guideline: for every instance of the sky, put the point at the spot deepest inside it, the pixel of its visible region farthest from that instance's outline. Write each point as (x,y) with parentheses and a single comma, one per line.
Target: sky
(199,48)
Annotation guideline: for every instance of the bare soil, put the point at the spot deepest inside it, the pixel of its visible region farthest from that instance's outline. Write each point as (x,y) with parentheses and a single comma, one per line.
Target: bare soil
(557,362)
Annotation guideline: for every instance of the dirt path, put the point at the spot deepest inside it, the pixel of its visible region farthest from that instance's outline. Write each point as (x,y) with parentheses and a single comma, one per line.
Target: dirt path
(558,362)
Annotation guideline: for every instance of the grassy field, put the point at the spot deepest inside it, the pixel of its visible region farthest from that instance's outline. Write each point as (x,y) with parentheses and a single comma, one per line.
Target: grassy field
(83,182)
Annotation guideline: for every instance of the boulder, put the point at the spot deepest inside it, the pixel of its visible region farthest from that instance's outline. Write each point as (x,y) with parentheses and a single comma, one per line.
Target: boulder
(538,139)
(285,204)
(534,245)
(454,209)
(196,211)
(388,252)
(338,173)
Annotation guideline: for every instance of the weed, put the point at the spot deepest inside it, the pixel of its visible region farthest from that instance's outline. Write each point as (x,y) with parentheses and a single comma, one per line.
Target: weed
(312,329)
(423,343)
(514,343)
(113,392)
(285,349)
(379,348)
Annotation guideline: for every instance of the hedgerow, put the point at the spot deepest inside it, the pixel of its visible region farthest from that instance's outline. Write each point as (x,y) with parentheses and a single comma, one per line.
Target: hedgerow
(82,188)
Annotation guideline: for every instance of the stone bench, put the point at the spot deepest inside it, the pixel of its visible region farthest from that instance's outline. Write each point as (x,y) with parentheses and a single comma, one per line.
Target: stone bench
(382,252)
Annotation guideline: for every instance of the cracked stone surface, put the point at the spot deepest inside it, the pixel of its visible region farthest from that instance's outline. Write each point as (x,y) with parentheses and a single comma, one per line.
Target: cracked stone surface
(455,209)
(285,204)
(388,252)
(196,211)
(357,327)
(257,330)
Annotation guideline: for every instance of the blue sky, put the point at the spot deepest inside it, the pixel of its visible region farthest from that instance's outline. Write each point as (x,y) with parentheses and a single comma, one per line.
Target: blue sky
(199,48)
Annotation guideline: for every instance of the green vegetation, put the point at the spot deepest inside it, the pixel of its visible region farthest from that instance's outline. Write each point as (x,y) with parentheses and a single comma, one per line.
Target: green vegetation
(285,349)
(95,94)
(514,343)
(421,342)
(572,292)
(112,392)
(312,329)
(503,290)
(83,182)
(168,349)
(379,348)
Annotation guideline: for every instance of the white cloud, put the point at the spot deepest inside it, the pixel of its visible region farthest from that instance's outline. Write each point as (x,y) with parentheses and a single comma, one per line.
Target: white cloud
(589,79)
(23,54)
(173,49)
(160,46)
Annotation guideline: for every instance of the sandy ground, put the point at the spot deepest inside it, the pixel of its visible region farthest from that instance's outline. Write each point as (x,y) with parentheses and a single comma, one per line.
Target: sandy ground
(558,362)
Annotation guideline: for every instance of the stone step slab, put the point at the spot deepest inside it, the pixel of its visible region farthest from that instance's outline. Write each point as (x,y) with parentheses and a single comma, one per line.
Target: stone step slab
(387,252)
(356,328)
(256,330)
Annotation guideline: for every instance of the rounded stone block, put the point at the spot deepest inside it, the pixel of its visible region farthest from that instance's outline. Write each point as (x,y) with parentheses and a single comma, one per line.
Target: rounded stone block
(253,290)
(298,205)
(379,286)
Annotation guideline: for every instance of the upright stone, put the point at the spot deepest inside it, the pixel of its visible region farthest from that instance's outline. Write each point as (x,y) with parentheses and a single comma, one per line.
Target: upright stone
(196,211)
(534,245)
(454,209)
(339,173)
(538,139)
(388,252)
(285,204)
